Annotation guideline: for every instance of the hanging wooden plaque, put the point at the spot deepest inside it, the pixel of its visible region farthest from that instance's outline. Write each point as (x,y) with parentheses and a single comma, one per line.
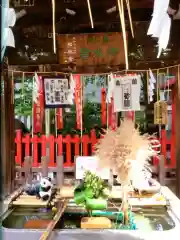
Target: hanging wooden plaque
(161,113)
(91,49)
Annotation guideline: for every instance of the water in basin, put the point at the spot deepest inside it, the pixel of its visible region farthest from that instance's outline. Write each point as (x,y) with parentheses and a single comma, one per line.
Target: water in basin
(20,216)
(146,219)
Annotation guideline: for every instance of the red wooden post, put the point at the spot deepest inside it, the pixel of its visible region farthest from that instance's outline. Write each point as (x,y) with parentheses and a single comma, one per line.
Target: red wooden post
(173,157)
(163,145)
(43,145)
(173,136)
(67,140)
(103,107)
(59,141)
(93,139)
(27,141)
(51,151)
(34,141)
(85,141)
(18,141)
(76,143)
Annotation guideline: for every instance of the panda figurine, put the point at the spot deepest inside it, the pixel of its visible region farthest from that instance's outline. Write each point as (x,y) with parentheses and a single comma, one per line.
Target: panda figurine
(45,188)
(42,189)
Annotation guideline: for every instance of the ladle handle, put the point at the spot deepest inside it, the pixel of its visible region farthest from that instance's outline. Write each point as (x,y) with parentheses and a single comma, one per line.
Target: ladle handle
(52,224)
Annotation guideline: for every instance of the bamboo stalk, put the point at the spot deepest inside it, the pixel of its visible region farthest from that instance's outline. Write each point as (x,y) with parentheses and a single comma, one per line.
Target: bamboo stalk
(14,195)
(121,16)
(52,224)
(157,86)
(130,17)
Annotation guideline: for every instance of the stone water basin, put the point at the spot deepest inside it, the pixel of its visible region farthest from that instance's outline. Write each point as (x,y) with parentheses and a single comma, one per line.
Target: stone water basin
(154,222)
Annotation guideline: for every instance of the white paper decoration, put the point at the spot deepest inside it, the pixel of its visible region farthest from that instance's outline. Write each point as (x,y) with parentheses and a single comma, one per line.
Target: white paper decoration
(72,90)
(111,85)
(160,24)
(151,86)
(8,20)
(35,88)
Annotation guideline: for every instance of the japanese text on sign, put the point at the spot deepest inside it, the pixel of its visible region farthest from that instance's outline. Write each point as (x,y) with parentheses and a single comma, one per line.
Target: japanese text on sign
(56,91)
(91,49)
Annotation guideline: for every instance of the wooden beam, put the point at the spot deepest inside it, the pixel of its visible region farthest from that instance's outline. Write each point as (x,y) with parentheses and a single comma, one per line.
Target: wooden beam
(177,141)
(45,6)
(62,19)
(8,157)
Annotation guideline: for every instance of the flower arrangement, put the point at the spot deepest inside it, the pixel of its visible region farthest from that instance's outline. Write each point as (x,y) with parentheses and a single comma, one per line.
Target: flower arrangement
(127,151)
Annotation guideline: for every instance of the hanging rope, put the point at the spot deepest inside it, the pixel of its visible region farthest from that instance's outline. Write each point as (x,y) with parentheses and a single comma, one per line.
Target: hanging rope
(90,14)
(22,88)
(54,26)
(103,73)
(130,17)
(123,26)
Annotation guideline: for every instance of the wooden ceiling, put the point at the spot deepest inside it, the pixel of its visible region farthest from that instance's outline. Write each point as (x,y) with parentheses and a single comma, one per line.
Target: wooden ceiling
(41,12)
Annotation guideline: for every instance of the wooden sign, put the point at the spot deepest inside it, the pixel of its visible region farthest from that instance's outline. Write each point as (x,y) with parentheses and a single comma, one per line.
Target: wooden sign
(160,113)
(90,163)
(91,49)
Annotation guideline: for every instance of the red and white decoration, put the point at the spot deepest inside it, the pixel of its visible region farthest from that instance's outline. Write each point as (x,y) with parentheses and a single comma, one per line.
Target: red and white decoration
(38,104)
(59,118)
(151,86)
(78,100)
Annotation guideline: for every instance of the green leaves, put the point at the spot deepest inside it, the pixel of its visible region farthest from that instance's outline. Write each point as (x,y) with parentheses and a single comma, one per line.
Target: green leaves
(94,185)
(23,97)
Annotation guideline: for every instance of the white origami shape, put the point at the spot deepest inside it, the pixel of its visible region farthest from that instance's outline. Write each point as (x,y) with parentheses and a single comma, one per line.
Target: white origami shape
(160,24)
(72,90)
(150,98)
(36,87)
(8,20)
(151,85)
(111,85)
(152,78)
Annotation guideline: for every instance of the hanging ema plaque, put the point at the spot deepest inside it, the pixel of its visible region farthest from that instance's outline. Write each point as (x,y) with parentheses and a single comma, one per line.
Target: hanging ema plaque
(56,91)
(91,49)
(160,113)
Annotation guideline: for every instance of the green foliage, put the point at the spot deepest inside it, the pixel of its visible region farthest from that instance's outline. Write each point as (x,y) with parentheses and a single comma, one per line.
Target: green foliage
(94,185)
(23,98)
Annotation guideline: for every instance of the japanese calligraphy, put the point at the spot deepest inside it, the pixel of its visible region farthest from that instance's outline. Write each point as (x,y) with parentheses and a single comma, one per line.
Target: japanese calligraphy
(56,92)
